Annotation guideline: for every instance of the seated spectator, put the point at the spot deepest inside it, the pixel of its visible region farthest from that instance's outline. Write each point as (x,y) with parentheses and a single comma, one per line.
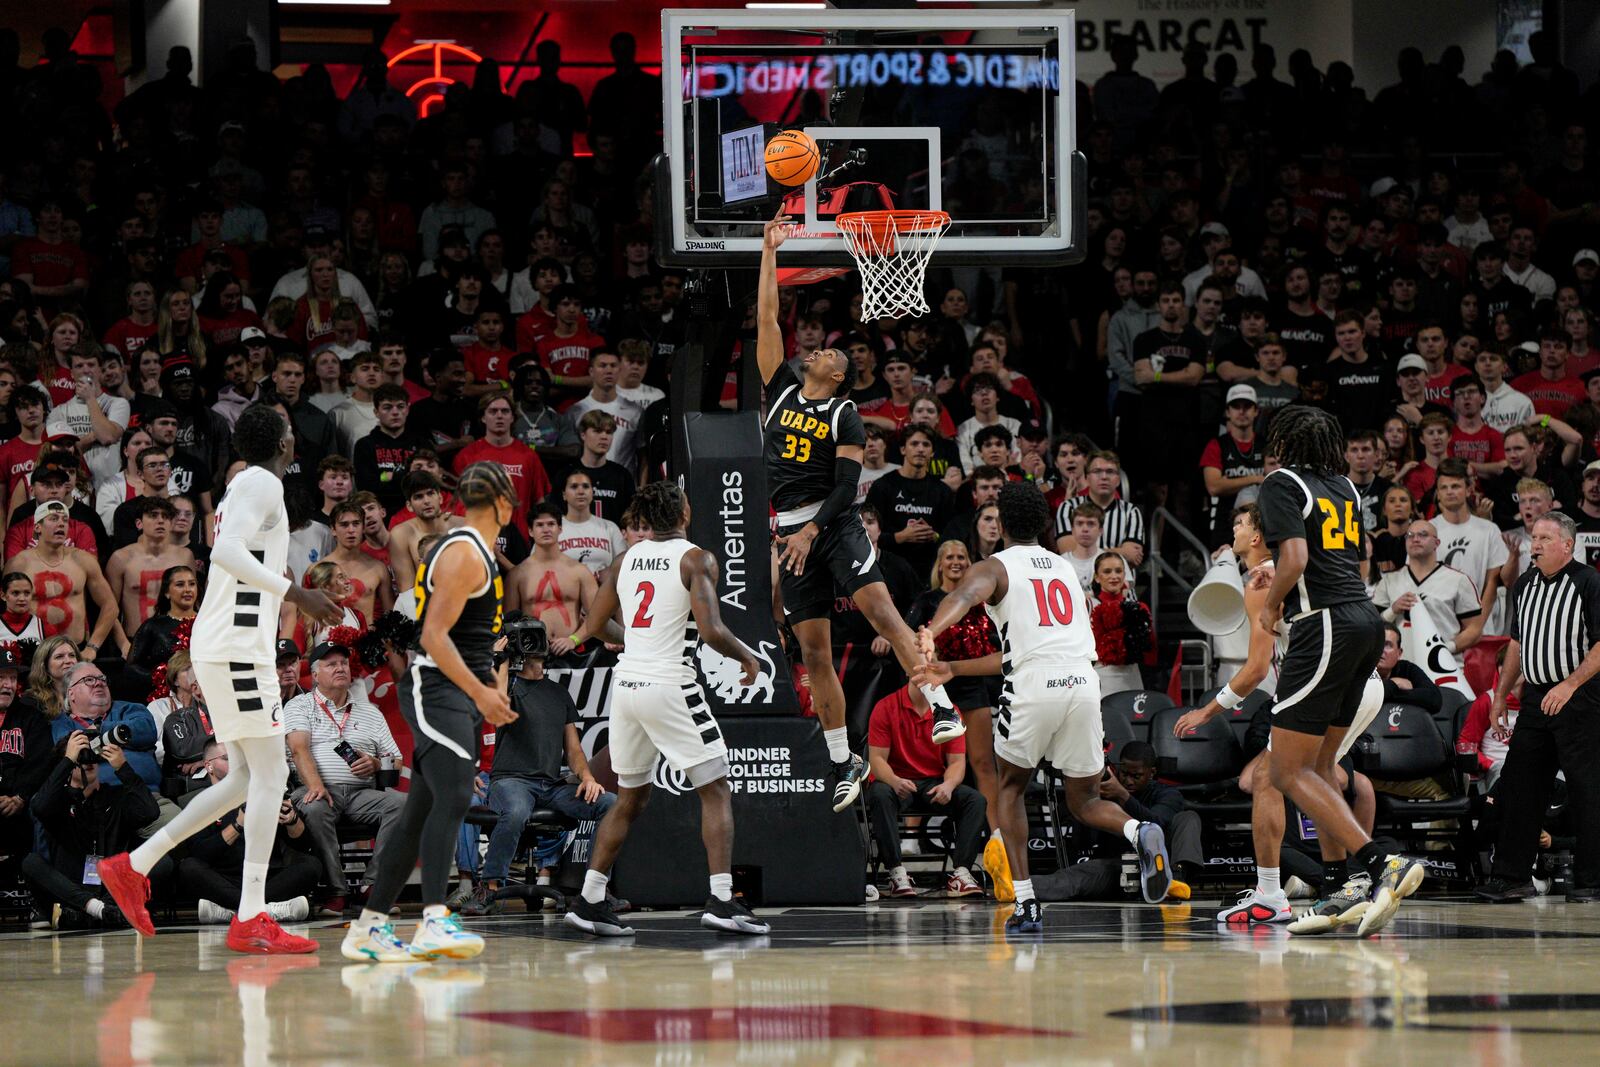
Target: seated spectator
(1551,388)
(1082,545)
(19,621)
(25,759)
(89,709)
(1404,681)
(981,490)
(587,538)
(1123,635)
(1122,526)
(911,773)
(214,858)
(1389,535)
(983,392)
(83,819)
(182,728)
(337,740)
(1448,596)
(528,757)
(47,674)
(1481,736)
(913,505)
(1132,784)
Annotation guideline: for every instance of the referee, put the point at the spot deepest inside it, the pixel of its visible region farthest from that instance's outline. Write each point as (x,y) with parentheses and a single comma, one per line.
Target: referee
(1555,651)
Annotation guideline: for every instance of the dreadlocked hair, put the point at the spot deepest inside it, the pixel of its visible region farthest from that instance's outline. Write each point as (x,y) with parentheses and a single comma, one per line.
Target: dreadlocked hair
(1308,439)
(482,484)
(660,506)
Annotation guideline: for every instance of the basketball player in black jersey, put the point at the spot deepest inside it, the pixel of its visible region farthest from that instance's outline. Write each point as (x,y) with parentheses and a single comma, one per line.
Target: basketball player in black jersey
(1311,517)
(452,680)
(814,441)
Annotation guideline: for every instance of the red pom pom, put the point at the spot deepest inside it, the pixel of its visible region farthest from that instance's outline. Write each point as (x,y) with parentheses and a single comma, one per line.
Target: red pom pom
(342,635)
(182,635)
(159,677)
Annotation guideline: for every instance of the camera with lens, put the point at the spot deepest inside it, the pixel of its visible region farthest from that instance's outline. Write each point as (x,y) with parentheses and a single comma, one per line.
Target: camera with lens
(525,639)
(120,735)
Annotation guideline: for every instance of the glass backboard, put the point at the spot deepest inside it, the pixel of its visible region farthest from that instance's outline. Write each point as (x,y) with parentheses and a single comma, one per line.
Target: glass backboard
(962,112)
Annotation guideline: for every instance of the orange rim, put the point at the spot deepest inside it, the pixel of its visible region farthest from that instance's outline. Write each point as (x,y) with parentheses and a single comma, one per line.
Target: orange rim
(880,224)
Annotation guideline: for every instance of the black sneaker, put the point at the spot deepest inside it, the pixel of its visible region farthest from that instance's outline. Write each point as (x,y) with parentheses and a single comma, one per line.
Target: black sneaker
(847,777)
(947,724)
(1027,918)
(597,919)
(111,918)
(1504,891)
(1583,894)
(480,902)
(732,917)
(1155,869)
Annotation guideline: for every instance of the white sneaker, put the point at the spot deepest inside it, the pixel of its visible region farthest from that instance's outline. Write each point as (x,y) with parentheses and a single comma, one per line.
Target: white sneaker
(294,910)
(1295,889)
(374,944)
(210,913)
(1255,909)
(442,936)
(900,883)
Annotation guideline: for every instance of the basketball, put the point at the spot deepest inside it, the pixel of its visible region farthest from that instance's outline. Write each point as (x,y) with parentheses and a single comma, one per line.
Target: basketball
(792,158)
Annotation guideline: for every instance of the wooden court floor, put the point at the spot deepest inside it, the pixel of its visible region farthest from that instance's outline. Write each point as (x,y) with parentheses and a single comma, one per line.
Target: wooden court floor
(905,983)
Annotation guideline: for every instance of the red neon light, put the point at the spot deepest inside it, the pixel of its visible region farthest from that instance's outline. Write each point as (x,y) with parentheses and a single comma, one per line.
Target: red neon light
(438,80)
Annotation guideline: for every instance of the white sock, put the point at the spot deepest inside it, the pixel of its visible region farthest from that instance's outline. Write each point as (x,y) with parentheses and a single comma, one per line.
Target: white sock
(722,886)
(1267,881)
(95,908)
(1024,889)
(543,879)
(1130,830)
(594,885)
(253,897)
(369,920)
(935,694)
(838,744)
(262,757)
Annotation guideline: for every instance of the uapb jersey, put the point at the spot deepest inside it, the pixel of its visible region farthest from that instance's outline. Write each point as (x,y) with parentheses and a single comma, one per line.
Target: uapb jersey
(802,440)
(477,628)
(661,634)
(1043,620)
(1326,512)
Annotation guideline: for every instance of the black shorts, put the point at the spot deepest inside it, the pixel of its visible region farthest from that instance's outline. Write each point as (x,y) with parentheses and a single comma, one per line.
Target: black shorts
(840,562)
(439,713)
(1331,655)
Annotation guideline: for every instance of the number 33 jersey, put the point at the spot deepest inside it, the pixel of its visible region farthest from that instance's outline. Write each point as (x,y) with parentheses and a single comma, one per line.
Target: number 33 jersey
(802,439)
(1326,512)
(1043,620)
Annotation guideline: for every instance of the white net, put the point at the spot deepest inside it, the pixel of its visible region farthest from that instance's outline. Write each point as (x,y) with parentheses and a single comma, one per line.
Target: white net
(891,249)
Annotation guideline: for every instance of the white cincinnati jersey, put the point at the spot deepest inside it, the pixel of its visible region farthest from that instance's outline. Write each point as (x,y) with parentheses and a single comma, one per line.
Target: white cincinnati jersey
(1043,618)
(238,620)
(661,631)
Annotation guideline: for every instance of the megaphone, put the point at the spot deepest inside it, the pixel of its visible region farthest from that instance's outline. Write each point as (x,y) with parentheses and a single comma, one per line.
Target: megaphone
(1216,606)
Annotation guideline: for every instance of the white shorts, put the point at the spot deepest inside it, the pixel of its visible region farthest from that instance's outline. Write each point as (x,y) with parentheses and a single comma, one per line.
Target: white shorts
(241,698)
(1052,713)
(1366,711)
(668,719)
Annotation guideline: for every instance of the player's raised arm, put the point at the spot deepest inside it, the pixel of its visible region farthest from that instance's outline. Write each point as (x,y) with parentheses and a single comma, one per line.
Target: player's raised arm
(978,586)
(699,569)
(769,336)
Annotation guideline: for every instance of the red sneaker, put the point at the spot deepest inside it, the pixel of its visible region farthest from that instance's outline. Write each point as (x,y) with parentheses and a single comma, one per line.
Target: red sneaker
(129,889)
(262,936)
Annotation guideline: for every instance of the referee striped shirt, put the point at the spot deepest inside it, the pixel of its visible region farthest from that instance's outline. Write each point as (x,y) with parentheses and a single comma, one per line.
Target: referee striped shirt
(1555,620)
(1122,522)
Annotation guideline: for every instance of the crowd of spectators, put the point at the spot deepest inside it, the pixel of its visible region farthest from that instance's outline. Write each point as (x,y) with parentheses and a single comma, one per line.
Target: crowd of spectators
(416,294)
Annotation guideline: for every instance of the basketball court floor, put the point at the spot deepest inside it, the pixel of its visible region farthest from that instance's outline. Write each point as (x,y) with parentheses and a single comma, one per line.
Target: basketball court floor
(902,983)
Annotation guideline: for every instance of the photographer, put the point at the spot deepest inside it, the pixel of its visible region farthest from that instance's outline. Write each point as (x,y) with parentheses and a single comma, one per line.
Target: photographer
(528,755)
(337,739)
(25,760)
(83,820)
(90,709)
(212,868)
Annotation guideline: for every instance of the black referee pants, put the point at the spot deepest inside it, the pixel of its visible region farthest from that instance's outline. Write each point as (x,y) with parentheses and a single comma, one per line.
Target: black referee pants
(1541,745)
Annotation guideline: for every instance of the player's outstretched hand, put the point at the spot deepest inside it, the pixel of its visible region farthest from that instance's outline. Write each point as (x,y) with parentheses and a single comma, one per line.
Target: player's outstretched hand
(1190,721)
(495,706)
(776,231)
(315,603)
(930,674)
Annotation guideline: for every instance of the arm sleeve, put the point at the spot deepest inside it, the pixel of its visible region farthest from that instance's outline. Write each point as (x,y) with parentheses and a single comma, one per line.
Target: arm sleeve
(245,514)
(846,477)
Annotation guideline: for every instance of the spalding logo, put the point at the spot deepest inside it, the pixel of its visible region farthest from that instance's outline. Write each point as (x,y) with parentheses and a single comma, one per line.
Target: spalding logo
(723,675)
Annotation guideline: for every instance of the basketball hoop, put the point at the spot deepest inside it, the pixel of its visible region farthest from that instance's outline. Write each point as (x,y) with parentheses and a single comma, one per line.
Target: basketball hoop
(891,249)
